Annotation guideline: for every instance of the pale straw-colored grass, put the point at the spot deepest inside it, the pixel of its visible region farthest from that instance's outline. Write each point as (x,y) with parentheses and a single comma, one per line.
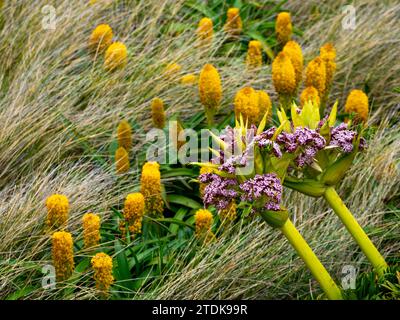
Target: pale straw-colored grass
(59,112)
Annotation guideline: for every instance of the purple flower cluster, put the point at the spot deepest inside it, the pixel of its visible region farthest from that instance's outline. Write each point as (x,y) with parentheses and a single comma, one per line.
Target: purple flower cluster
(219,191)
(233,162)
(307,140)
(343,138)
(263,140)
(266,187)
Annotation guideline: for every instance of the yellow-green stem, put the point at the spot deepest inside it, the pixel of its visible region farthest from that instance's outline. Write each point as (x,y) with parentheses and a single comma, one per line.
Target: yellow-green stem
(312,262)
(355,230)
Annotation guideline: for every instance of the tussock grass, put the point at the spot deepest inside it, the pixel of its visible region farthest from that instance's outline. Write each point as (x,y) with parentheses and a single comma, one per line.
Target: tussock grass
(59,111)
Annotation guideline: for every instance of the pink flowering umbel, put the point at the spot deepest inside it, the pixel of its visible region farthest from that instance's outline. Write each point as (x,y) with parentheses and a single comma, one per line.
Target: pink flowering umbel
(265,191)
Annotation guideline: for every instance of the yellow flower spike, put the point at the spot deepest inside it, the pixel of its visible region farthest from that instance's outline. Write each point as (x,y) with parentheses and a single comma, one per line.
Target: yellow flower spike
(210,90)
(357,102)
(150,188)
(203,222)
(63,254)
(283,75)
(203,170)
(229,213)
(328,55)
(134,211)
(116,56)
(293,50)
(101,38)
(254,55)
(124,133)
(189,79)
(310,94)
(316,75)
(158,113)
(247,104)
(233,25)
(264,105)
(205,31)
(91,230)
(57,210)
(283,27)
(102,266)
(121,160)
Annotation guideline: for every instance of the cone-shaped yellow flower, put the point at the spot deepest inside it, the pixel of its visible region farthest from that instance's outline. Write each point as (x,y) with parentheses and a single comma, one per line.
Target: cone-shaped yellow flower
(283,75)
(63,254)
(254,55)
(310,94)
(100,38)
(357,101)
(116,56)
(293,50)
(247,104)
(210,90)
(57,210)
(121,160)
(124,132)
(328,55)
(283,27)
(189,79)
(150,188)
(203,222)
(264,104)
(205,31)
(91,230)
(316,76)
(102,266)
(134,211)
(158,113)
(233,25)
(229,213)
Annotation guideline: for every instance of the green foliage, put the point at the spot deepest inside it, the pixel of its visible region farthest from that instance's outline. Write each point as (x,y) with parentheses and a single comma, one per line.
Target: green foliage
(371,287)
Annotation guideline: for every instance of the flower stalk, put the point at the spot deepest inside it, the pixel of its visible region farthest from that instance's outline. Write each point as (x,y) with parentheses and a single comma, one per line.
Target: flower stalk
(355,230)
(312,262)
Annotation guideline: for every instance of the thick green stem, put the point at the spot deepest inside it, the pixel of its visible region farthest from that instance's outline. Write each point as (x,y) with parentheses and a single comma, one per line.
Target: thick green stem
(355,230)
(310,259)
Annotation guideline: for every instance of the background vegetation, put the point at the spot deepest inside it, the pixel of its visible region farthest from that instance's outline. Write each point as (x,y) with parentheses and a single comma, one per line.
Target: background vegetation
(58,116)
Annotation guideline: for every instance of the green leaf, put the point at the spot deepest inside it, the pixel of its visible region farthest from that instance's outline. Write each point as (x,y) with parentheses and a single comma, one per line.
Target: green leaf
(179,215)
(23,292)
(176,222)
(112,148)
(184,201)
(83,265)
(143,277)
(179,172)
(123,270)
(201,7)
